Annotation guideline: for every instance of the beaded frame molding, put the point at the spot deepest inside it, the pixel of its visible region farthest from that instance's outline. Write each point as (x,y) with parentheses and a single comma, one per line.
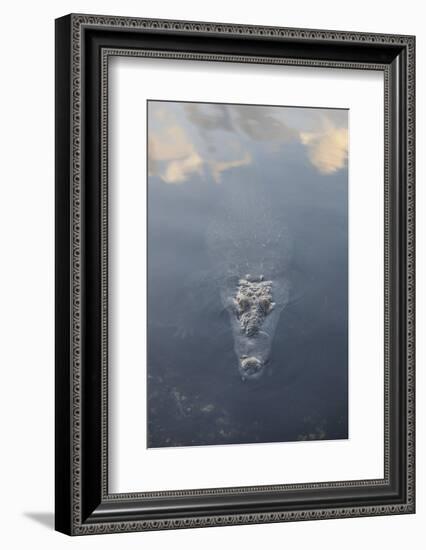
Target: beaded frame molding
(84,44)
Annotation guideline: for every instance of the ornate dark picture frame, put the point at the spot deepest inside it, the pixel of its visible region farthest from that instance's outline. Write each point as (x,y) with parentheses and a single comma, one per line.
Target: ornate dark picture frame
(84,44)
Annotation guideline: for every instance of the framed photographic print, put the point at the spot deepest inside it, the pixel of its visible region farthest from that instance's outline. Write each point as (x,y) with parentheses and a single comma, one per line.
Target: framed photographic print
(234,274)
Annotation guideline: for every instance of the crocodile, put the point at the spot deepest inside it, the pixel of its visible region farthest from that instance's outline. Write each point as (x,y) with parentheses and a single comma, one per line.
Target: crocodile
(250,252)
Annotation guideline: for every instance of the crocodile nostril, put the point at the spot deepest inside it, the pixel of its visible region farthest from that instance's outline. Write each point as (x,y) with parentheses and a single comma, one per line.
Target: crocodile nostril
(251,366)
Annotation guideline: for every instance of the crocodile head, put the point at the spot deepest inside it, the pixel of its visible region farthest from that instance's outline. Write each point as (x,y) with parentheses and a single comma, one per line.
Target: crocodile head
(254,315)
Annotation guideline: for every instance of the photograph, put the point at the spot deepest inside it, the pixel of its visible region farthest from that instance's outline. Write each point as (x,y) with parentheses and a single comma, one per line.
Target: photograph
(234,271)
(247,273)
(213,239)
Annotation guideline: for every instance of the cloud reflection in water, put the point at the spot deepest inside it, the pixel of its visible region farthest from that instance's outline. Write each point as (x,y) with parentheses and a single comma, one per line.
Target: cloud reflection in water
(187,139)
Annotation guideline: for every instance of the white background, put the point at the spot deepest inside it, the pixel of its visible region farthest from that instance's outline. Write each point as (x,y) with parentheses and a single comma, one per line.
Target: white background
(360,456)
(26,302)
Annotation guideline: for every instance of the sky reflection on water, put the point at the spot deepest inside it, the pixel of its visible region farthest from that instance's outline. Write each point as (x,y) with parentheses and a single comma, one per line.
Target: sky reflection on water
(231,188)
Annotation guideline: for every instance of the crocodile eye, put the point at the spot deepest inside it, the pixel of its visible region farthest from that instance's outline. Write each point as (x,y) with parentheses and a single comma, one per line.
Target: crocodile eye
(243,303)
(264,304)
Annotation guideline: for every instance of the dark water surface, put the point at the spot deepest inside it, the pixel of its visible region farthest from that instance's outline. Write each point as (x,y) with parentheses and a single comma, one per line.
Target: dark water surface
(216,174)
